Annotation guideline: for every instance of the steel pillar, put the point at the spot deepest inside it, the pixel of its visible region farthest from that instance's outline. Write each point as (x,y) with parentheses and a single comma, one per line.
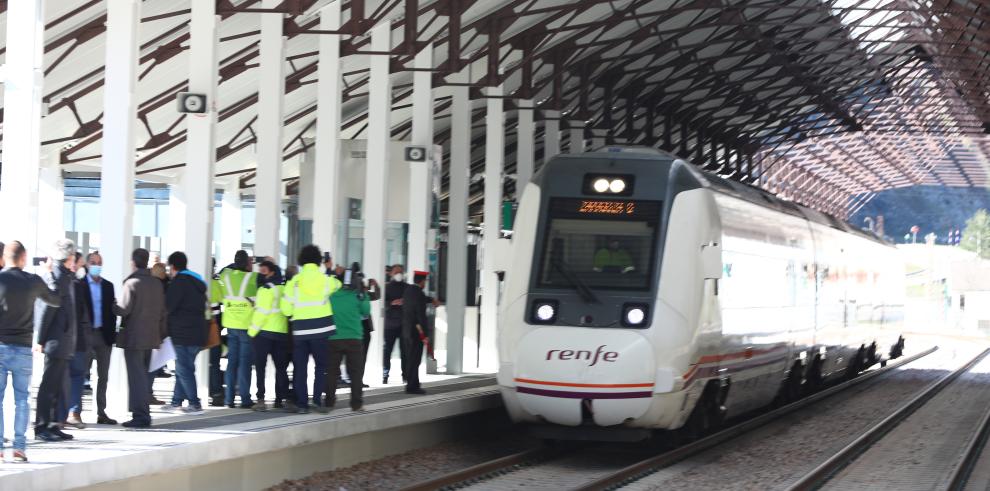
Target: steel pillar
(326,168)
(271,94)
(419,172)
(117,173)
(494,162)
(231,222)
(525,145)
(376,177)
(576,129)
(551,135)
(22,88)
(457,246)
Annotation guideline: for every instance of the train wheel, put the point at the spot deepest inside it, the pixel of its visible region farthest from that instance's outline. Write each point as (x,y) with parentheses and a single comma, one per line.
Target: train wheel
(856,365)
(814,380)
(790,390)
(708,414)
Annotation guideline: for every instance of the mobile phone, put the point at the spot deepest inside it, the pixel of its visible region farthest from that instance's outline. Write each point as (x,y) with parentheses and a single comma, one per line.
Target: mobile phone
(38,261)
(348,275)
(326,257)
(259,259)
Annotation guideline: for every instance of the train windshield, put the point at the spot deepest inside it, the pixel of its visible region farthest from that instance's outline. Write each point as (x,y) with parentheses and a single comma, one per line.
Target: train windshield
(599,244)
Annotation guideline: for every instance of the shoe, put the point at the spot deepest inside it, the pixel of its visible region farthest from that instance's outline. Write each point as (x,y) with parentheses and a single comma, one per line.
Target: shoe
(366,386)
(358,408)
(171,408)
(260,407)
(290,407)
(322,409)
(103,419)
(136,424)
(231,405)
(156,402)
(61,434)
(75,421)
(217,402)
(20,456)
(415,391)
(385,380)
(302,410)
(163,374)
(46,436)
(246,405)
(193,410)
(279,405)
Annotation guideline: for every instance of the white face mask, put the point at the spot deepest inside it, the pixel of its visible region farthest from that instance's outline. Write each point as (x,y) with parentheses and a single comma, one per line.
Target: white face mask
(80,273)
(397,277)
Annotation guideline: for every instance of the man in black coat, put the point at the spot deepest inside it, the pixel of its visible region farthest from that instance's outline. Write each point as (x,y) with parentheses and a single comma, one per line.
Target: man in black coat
(99,300)
(394,289)
(55,335)
(186,303)
(414,328)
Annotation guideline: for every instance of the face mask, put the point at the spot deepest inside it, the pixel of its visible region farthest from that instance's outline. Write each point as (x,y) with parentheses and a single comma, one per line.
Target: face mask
(95,271)
(80,273)
(397,277)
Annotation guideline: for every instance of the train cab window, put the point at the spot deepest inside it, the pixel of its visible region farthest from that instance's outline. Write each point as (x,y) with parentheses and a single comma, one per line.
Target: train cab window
(604,244)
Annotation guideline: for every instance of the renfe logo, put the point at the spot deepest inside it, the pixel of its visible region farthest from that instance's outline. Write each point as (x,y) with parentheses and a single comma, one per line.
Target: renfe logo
(567,354)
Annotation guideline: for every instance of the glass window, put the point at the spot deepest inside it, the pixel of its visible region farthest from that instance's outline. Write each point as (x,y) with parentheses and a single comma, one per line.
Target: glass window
(604,244)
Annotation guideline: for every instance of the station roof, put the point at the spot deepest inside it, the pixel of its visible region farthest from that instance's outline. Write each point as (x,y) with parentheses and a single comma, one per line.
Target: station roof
(823,101)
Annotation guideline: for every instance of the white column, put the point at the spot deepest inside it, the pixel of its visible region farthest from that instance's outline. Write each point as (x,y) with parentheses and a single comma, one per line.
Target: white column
(117,176)
(525,146)
(457,246)
(307,186)
(376,173)
(51,201)
(494,162)
(326,170)
(176,239)
(551,135)
(271,95)
(577,137)
(22,89)
(231,226)
(201,150)
(419,172)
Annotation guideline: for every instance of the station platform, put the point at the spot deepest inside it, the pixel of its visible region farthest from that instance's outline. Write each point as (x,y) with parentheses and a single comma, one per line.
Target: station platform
(238,449)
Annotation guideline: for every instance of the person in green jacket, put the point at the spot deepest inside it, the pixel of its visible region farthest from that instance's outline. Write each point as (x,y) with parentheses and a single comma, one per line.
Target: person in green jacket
(269,333)
(239,288)
(350,305)
(613,259)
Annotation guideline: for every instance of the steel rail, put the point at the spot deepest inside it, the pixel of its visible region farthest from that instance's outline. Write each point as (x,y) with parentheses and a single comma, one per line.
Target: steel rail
(961,474)
(825,471)
(485,469)
(648,466)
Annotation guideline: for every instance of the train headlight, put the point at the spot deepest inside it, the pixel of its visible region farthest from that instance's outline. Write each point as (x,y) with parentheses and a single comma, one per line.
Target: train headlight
(602,185)
(544,311)
(617,186)
(608,184)
(634,315)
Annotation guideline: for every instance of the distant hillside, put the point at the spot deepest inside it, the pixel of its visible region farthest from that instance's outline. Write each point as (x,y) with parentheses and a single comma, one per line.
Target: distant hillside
(935,209)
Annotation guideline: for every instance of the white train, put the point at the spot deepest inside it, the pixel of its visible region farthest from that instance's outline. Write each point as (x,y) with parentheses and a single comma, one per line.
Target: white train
(643,294)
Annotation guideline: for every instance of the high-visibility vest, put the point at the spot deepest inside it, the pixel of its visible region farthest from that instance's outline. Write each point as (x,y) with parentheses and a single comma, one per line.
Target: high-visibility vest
(306,301)
(239,290)
(267,312)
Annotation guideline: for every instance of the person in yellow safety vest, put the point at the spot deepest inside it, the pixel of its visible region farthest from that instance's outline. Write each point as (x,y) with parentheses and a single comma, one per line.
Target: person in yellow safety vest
(269,333)
(306,302)
(238,287)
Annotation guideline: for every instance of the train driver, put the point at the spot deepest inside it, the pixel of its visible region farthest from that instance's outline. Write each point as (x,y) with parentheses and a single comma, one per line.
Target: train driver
(613,259)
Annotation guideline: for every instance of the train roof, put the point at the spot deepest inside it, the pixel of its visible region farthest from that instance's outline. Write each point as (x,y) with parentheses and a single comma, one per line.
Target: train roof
(736,189)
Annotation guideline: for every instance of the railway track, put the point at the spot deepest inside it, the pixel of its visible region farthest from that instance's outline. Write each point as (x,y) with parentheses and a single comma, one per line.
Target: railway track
(585,468)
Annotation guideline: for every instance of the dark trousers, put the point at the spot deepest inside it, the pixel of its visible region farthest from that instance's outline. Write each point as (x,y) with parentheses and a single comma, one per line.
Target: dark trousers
(99,351)
(216,375)
(138,388)
(351,352)
(70,399)
(302,349)
(413,349)
(51,387)
(391,336)
(278,349)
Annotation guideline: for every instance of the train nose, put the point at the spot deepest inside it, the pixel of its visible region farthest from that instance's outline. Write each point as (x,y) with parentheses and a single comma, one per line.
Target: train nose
(610,372)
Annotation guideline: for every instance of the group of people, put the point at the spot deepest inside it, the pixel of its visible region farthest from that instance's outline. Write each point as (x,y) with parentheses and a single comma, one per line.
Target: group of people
(70,314)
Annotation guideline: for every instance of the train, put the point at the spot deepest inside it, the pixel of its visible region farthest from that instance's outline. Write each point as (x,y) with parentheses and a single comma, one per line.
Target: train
(643,294)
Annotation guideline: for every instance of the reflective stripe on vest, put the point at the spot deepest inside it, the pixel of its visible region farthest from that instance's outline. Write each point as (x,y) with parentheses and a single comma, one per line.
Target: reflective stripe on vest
(240,293)
(315,330)
(324,301)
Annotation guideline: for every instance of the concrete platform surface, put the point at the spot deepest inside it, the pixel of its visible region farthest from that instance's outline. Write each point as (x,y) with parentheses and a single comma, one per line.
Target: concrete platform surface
(242,449)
